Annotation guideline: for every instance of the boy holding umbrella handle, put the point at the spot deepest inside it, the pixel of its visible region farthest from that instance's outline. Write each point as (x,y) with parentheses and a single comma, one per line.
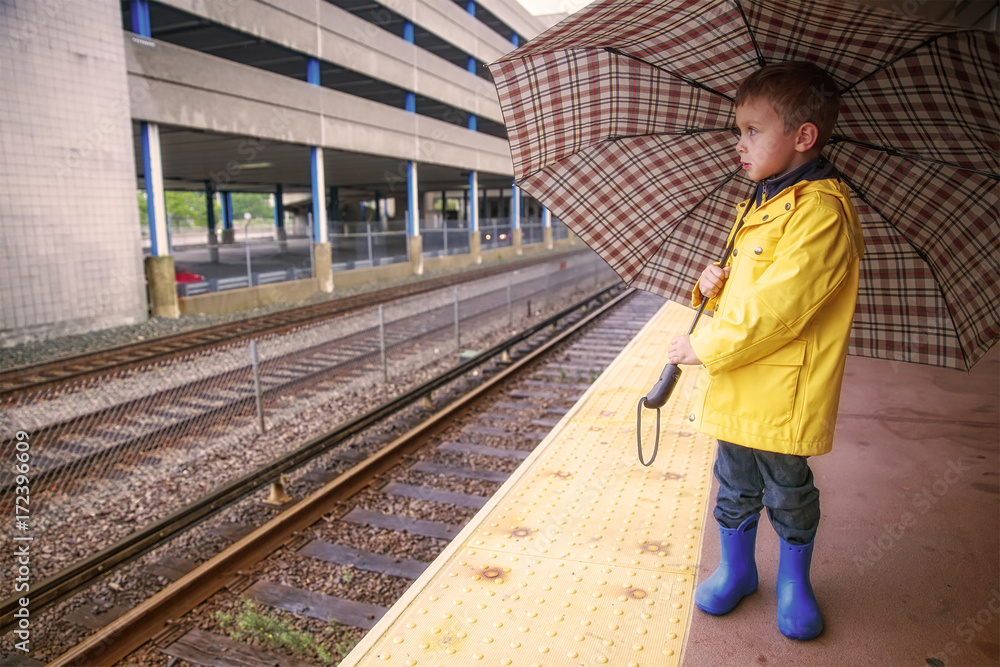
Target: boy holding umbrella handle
(775,350)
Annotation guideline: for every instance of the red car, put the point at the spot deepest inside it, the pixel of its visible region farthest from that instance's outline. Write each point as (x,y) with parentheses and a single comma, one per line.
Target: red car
(182,275)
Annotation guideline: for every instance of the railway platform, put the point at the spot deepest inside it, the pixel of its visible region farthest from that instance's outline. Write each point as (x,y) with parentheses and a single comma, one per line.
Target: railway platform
(586,557)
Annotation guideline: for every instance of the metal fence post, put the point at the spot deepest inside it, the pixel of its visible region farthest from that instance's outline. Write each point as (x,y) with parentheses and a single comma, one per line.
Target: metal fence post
(510,304)
(256,385)
(458,343)
(246,242)
(381,339)
(371,255)
(312,259)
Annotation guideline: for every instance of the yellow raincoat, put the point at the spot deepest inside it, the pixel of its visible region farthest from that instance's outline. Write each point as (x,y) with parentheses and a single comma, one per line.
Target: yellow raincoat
(775,350)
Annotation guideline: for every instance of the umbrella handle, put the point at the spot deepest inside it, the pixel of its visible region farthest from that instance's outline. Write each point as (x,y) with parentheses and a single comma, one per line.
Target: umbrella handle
(658,395)
(638,433)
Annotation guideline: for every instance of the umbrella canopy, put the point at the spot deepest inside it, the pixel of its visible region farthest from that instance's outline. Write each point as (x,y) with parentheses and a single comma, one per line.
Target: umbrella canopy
(620,121)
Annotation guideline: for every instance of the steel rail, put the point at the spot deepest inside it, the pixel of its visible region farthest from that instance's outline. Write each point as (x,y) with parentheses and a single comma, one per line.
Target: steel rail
(71,580)
(88,365)
(124,635)
(169,430)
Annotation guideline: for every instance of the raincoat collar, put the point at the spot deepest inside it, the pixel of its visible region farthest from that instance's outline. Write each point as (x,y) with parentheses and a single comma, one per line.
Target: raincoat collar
(816,169)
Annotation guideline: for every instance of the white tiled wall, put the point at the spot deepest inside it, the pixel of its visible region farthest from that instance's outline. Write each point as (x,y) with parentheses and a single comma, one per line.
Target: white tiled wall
(70,258)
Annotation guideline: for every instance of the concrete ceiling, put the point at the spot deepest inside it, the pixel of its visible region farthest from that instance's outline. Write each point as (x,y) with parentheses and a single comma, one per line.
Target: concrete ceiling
(243,164)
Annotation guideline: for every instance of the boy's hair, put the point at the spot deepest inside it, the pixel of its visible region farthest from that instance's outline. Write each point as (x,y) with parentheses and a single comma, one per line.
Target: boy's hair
(800,92)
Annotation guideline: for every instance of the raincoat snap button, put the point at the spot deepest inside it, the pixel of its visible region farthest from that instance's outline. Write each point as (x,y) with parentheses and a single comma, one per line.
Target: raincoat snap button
(690,418)
(765,217)
(758,250)
(788,207)
(735,252)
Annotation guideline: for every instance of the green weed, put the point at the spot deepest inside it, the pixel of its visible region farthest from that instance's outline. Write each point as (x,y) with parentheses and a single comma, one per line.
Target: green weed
(250,623)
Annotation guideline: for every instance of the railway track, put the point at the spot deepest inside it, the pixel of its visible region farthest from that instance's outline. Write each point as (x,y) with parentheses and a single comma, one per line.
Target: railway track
(392,512)
(61,372)
(100,438)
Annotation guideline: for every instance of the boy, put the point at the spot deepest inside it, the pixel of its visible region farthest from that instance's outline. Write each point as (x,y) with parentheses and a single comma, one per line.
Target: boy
(776,347)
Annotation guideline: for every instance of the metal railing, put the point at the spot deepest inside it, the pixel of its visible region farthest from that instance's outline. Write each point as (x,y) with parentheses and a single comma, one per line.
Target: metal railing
(260,258)
(363,244)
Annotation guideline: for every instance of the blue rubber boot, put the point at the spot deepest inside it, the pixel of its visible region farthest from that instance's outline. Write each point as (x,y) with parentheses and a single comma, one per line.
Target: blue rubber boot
(736,576)
(798,613)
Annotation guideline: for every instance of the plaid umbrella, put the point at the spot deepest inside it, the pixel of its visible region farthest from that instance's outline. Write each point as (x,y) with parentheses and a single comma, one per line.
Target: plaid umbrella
(620,121)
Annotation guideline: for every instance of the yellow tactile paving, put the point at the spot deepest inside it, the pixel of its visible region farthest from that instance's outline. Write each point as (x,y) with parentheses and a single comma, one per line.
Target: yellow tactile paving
(584,556)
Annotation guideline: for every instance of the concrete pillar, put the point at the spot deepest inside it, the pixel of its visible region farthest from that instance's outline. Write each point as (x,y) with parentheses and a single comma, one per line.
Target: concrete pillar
(162,286)
(160,265)
(476,246)
(323,266)
(415,245)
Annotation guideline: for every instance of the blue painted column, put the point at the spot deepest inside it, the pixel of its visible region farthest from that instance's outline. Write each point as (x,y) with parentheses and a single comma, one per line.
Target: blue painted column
(414,242)
(159,266)
(156,208)
(322,251)
(547,227)
(210,209)
(279,207)
(213,238)
(470,63)
(318,171)
(140,18)
(152,163)
(279,218)
(228,234)
(316,168)
(473,121)
(515,207)
(515,40)
(473,201)
(412,200)
(334,206)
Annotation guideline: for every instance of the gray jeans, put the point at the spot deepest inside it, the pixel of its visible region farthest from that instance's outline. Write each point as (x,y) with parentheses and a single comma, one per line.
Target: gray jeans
(750,479)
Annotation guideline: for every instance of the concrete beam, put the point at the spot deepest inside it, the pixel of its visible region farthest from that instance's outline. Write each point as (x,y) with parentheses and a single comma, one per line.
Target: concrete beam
(354,43)
(176,86)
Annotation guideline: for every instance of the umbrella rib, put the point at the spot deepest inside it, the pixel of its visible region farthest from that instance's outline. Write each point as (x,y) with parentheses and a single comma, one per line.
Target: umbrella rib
(930,266)
(895,152)
(899,57)
(753,38)
(717,188)
(690,82)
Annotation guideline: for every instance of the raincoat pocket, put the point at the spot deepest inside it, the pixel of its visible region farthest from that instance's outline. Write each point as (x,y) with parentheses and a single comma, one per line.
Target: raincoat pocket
(762,391)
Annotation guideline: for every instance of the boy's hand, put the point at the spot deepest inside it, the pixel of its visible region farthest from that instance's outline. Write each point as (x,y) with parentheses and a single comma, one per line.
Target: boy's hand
(681,352)
(711,281)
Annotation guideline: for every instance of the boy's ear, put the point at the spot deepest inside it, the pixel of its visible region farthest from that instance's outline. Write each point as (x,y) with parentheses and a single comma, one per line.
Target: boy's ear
(805,137)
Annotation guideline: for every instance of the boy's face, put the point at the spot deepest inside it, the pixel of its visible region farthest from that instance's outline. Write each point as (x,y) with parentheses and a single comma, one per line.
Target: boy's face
(765,149)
